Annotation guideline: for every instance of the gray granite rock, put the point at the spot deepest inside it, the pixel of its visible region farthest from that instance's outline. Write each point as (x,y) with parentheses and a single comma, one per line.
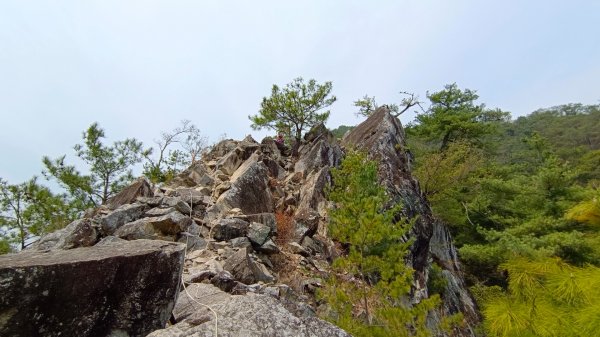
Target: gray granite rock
(250,315)
(227,229)
(125,288)
(258,233)
(120,216)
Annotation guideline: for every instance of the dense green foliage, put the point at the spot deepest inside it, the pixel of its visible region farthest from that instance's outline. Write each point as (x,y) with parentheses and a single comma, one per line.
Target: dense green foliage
(454,116)
(570,131)
(545,298)
(367,294)
(341,130)
(515,194)
(294,108)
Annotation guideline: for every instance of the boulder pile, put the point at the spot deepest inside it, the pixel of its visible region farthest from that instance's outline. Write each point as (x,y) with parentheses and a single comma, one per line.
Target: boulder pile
(251,222)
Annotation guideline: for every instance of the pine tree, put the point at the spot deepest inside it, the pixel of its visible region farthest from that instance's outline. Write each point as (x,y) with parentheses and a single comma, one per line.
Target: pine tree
(28,210)
(545,298)
(294,108)
(587,211)
(109,168)
(368,294)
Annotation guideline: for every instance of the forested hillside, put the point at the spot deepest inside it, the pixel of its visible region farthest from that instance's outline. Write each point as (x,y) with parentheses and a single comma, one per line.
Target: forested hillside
(521,199)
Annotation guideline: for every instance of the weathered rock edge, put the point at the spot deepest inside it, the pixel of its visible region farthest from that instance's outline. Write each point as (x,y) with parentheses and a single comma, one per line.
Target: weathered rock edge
(132,285)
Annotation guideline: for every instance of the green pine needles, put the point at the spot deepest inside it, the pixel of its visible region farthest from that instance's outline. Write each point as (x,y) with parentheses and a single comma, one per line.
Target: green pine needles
(545,298)
(368,293)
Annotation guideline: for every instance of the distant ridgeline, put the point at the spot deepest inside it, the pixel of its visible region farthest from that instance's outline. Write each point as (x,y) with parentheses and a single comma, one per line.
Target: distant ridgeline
(572,130)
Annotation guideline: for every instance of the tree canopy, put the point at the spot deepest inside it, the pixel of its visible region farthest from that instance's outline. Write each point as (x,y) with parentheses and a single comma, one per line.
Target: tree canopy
(28,210)
(367,105)
(294,108)
(109,167)
(545,298)
(454,115)
(522,205)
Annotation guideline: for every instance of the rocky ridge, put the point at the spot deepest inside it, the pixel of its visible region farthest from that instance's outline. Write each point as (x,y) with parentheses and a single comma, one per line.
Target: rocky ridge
(254,225)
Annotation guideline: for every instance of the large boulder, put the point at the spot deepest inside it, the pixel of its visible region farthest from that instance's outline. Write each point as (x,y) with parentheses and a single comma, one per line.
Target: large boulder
(251,315)
(227,229)
(79,233)
(269,148)
(246,269)
(230,162)
(267,219)
(312,210)
(258,233)
(166,227)
(125,288)
(139,188)
(120,216)
(222,148)
(322,151)
(194,196)
(249,189)
(177,203)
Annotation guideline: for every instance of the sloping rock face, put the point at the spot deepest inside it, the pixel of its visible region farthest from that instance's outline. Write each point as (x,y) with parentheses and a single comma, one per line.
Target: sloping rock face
(125,288)
(382,137)
(262,315)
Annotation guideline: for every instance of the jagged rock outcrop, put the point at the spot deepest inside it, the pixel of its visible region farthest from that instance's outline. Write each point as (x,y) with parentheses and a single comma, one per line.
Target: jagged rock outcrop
(248,190)
(382,137)
(124,288)
(262,315)
(254,221)
(195,175)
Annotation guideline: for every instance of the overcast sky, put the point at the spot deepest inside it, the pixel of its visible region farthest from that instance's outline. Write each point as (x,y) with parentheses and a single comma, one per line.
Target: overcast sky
(140,67)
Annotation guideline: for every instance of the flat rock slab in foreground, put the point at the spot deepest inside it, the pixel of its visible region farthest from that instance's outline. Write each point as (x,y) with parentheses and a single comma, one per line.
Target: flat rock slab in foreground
(251,315)
(125,288)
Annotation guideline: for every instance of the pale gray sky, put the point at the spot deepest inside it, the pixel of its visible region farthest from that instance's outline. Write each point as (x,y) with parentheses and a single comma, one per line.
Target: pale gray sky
(139,67)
